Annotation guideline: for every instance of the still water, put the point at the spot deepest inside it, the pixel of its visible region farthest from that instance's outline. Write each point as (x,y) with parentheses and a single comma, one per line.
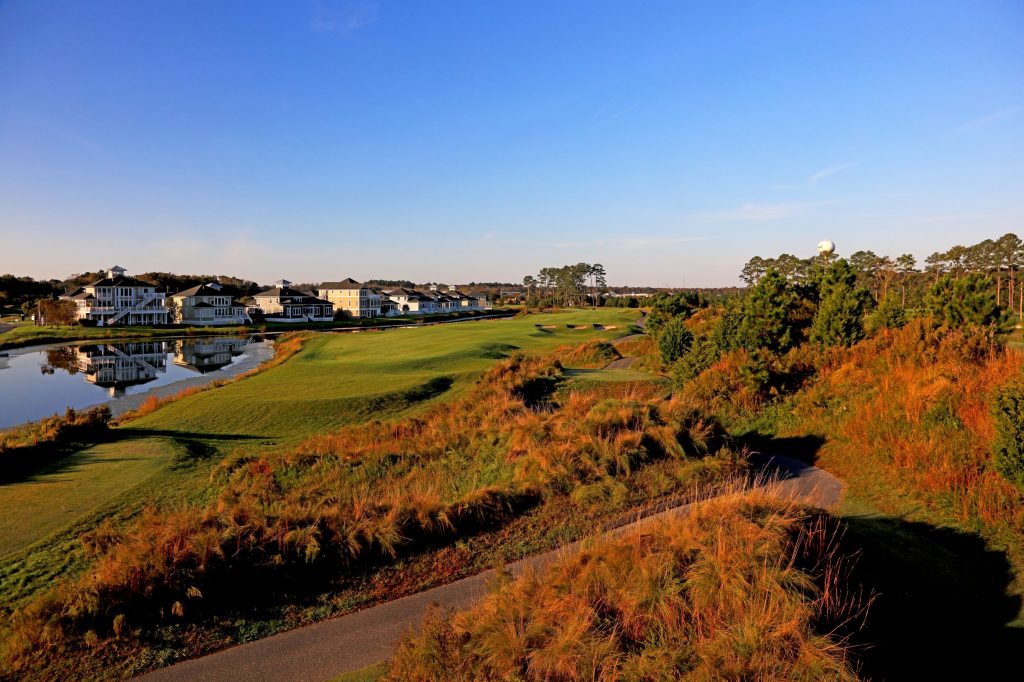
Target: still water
(37,382)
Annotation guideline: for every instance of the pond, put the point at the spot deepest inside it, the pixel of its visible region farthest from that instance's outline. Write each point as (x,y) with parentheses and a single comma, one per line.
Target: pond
(38,382)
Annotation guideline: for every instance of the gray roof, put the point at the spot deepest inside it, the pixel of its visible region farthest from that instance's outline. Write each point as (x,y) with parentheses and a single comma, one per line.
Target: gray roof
(347,283)
(292,296)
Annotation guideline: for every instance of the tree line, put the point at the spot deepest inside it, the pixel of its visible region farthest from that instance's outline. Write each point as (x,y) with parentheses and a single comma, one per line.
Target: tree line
(999,260)
(568,285)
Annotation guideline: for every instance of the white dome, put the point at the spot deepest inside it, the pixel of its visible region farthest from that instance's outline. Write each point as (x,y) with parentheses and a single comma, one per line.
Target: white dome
(825,246)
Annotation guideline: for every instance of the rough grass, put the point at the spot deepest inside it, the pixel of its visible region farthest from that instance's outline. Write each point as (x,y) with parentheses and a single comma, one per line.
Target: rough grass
(334,387)
(743,587)
(338,380)
(590,355)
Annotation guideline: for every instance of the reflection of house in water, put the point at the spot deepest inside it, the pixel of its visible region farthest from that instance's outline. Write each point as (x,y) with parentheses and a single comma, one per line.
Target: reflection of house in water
(116,367)
(207,355)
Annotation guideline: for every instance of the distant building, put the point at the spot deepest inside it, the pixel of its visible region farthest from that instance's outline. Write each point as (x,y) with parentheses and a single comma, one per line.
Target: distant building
(358,300)
(208,304)
(388,307)
(281,303)
(410,301)
(478,300)
(119,300)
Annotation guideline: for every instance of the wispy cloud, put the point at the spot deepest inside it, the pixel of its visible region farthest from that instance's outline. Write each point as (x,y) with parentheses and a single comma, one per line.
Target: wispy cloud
(342,18)
(986,120)
(756,213)
(628,109)
(831,170)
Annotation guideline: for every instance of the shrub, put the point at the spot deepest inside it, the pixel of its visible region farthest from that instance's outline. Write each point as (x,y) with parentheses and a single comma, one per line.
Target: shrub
(1008,446)
(888,315)
(29,447)
(674,340)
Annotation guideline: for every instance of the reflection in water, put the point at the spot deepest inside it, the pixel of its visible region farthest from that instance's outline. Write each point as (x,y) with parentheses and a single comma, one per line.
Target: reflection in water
(117,366)
(208,355)
(35,383)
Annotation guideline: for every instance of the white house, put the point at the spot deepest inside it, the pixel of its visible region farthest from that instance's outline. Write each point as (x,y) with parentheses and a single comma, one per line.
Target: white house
(410,302)
(358,300)
(119,300)
(207,304)
(281,303)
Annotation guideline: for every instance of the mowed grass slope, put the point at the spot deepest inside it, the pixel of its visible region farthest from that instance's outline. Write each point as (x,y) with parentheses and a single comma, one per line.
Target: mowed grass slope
(71,488)
(337,379)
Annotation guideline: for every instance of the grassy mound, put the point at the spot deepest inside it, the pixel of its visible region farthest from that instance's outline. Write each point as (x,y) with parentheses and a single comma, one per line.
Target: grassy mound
(590,355)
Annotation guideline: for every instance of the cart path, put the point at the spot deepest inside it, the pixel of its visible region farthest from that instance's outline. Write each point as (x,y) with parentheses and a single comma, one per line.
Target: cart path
(329,648)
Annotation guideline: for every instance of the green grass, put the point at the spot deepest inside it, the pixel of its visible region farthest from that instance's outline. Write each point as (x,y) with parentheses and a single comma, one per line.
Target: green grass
(73,487)
(337,379)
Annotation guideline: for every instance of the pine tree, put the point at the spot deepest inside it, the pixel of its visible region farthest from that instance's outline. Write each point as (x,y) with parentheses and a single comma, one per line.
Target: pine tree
(840,317)
(768,314)
(963,300)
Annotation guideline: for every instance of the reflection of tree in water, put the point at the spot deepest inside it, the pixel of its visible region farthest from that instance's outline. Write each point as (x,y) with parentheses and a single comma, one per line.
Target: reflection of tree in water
(65,358)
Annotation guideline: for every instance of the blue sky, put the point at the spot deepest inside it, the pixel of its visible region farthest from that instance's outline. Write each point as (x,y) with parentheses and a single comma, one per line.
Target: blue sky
(458,141)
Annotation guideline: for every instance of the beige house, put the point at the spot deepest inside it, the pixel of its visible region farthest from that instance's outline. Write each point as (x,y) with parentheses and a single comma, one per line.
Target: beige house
(207,304)
(358,300)
(281,303)
(119,300)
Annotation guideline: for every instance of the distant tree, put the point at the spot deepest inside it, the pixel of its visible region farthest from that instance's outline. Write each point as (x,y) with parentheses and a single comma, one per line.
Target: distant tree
(753,270)
(962,300)
(906,266)
(839,320)
(768,313)
(1008,254)
(674,340)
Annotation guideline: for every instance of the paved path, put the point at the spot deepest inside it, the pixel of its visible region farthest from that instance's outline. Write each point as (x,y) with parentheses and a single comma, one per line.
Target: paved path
(4,327)
(621,363)
(627,363)
(324,650)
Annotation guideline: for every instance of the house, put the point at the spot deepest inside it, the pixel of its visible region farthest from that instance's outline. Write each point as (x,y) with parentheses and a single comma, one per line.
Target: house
(388,307)
(208,304)
(119,300)
(478,300)
(281,303)
(410,301)
(442,302)
(358,300)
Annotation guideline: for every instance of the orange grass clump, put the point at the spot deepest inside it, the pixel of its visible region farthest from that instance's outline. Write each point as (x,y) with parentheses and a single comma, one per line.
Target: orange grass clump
(743,587)
(911,407)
